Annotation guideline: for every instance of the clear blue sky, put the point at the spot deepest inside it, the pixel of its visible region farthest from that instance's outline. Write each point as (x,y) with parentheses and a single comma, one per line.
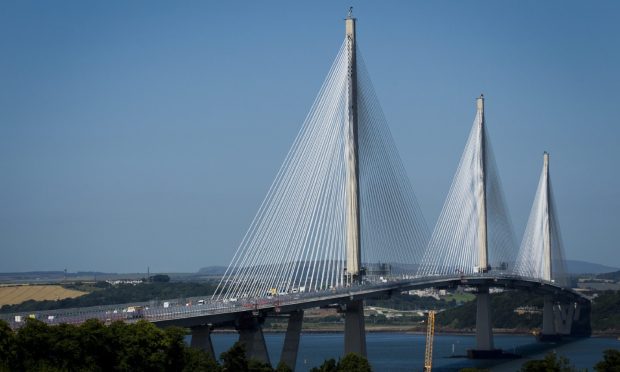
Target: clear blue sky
(137,134)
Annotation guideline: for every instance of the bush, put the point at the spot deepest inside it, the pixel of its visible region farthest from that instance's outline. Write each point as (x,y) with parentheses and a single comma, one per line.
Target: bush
(610,362)
(551,363)
(92,346)
(350,363)
(141,346)
(354,363)
(160,278)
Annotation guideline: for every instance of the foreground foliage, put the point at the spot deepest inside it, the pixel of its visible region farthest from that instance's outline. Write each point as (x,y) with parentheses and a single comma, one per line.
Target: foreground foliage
(610,362)
(551,363)
(142,346)
(555,363)
(93,346)
(350,363)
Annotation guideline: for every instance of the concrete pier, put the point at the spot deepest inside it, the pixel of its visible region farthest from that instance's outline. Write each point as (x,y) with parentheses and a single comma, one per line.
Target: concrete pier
(564,314)
(290,348)
(354,328)
(251,336)
(201,339)
(484,326)
(548,332)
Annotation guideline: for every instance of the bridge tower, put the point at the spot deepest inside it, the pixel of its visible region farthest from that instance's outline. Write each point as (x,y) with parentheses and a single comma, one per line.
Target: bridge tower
(547,273)
(541,256)
(484,326)
(548,329)
(549,332)
(481,193)
(353,252)
(354,330)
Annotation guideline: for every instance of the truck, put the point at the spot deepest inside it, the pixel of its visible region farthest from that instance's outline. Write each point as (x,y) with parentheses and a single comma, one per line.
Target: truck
(135,312)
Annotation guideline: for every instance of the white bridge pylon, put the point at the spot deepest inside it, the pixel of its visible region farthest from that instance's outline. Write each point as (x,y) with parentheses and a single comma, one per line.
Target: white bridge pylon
(473,233)
(541,255)
(298,238)
(341,206)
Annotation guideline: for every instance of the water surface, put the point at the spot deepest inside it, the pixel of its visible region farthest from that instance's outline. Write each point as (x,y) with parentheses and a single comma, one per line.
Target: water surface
(405,352)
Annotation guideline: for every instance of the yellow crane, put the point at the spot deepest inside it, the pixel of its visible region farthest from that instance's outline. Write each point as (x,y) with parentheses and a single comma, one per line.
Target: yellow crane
(430,333)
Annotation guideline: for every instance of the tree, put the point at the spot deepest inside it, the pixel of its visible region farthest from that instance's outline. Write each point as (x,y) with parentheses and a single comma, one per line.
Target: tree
(283,367)
(7,350)
(350,363)
(160,278)
(610,362)
(33,346)
(93,346)
(140,346)
(354,363)
(258,366)
(329,365)
(198,361)
(176,347)
(551,363)
(234,360)
(96,345)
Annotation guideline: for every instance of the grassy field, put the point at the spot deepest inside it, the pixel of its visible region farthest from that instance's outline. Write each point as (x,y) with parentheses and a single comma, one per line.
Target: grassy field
(459,297)
(17,294)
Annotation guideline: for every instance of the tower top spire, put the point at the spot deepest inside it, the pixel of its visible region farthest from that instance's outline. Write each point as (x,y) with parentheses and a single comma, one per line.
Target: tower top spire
(480,102)
(350,27)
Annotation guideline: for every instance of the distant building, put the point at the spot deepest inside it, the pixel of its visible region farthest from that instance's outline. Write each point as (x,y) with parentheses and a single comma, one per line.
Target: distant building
(523,310)
(599,285)
(124,281)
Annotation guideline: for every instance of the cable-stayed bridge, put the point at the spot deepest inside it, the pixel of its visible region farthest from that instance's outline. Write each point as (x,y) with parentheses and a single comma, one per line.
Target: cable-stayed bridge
(341,223)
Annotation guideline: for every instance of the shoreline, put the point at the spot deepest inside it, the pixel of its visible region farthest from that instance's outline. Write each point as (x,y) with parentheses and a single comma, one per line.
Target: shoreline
(415,331)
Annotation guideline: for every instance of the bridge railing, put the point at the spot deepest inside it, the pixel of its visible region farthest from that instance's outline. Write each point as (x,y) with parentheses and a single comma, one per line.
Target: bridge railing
(156,310)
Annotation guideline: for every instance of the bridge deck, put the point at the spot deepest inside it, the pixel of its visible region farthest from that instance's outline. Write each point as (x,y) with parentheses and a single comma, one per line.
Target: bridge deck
(190,313)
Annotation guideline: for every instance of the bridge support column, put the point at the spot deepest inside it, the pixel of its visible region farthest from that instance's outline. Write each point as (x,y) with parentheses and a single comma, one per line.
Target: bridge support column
(201,339)
(484,327)
(251,336)
(565,319)
(581,320)
(563,316)
(291,339)
(548,332)
(354,329)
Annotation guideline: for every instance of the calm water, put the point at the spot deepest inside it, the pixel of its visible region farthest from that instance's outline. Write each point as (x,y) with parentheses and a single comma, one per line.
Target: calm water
(405,352)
